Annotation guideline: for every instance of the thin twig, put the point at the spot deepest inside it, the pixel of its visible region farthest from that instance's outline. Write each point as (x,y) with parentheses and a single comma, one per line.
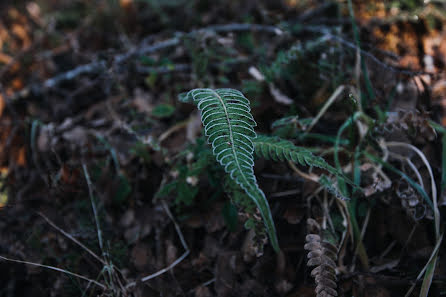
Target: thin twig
(69,75)
(163,69)
(285,193)
(141,49)
(364,228)
(311,177)
(242,27)
(56,269)
(173,129)
(326,106)
(373,58)
(109,268)
(93,206)
(177,261)
(71,238)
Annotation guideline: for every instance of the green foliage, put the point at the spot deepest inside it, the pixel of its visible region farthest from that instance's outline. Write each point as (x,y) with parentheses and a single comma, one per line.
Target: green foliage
(290,126)
(292,121)
(229,127)
(140,150)
(230,215)
(184,192)
(407,4)
(123,190)
(252,88)
(294,54)
(192,164)
(274,148)
(163,110)
(278,149)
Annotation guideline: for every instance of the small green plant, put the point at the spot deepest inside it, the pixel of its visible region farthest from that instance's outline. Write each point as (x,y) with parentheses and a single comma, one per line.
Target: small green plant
(229,128)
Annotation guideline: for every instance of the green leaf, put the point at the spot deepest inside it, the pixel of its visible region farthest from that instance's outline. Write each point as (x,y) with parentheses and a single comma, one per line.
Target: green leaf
(229,127)
(124,189)
(163,111)
(230,215)
(277,149)
(166,189)
(184,97)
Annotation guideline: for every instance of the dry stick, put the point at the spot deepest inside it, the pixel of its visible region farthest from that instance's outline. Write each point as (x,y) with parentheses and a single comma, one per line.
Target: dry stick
(108,267)
(69,75)
(56,269)
(387,250)
(363,229)
(285,193)
(312,177)
(143,49)
(173,129)
(93,205)
(205,284)
(326,34)
(372,57)
(177,261)
(326,106)
(163,69)
(343,242)
(326,207)
(242,27)
(71,238)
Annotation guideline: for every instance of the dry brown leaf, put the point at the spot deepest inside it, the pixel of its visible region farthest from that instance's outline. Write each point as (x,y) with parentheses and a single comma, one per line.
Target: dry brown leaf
(203,291)
(2,105)
(140,256)
(21,157)
(142,101)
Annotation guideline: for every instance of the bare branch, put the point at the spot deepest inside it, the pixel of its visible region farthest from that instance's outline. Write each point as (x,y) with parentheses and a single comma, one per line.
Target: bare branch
(177,261)
(56,269)
(71,238)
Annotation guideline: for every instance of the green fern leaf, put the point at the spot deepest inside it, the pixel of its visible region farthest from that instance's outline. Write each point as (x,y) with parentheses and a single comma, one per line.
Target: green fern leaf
(277,149)
(229,127)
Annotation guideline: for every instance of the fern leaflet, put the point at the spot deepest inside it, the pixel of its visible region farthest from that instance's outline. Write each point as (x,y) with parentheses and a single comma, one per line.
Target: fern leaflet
(229,127)
(278,149)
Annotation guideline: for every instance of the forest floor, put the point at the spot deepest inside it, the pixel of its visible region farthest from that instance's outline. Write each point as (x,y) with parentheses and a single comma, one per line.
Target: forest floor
(109,188)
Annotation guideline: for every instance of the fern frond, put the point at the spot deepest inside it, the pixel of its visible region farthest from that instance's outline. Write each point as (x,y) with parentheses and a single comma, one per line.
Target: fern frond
(277,149)
(321,253)
(229,127)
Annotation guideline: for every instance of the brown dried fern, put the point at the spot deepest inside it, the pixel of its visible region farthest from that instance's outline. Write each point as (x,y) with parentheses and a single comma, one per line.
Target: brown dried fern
(321,254)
